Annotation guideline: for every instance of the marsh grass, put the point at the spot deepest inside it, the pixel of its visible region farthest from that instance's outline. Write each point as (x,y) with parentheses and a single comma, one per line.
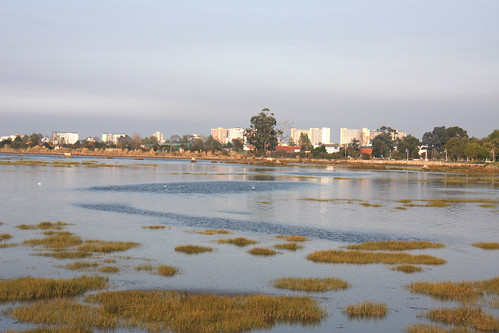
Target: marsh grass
(409,269)
(400,208)
(57,233)
(6,245)
(362,257)
(310,284)
(437,203)
(109,269)
(109,261)
(487,245)
(165,270)
(366,310)
(154,227)
(214,232)
(293,238)
(65,254)
(193,249)
(29,288)
(464,291)
(56,241)
(44,225)
(367,204)
(81,265)
(487,205)
(238,241)
(405,201)
(144,268)
(464,316)
(4,237)
(395,245)
(429,328)
(99,246)
(288,246)
(261,251)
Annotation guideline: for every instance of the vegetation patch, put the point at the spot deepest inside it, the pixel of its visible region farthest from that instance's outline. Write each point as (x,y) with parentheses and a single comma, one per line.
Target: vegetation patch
(261,251)
(78,265)
(400,208)
(366,310)
(362,257)
(409,269)
(56,241)
(238,241)
(154,227)
(288,246)
(463,316)
(166,270)
(109,261)
(214,232)
(65,254)
(429,328)
(465,291)
(6,245)
(487,245)
(109,269)
(293,238)
(29,288)
(367,204)
(193,249)
(395,245)
(57,233)
(4,237)
(437,203)
(144,268)
(106,246)
(310,284)
(44,225)
(405,201)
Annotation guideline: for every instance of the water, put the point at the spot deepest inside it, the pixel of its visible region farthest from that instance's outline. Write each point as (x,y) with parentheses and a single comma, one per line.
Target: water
(114,199)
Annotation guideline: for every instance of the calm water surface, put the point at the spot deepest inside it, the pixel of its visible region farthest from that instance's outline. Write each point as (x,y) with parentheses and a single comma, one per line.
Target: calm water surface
(114,199)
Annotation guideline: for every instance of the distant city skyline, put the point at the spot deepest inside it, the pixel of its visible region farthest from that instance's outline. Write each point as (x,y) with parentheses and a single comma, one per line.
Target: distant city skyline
(186,67)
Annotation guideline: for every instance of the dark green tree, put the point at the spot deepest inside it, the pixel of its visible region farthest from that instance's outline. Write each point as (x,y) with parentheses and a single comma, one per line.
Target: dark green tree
(455,148)
(353,148)
(409,142)
(319,152)
(304,142)
(435,139)
(382,145)
(197,145)
(212,145)
(262,132)
(237,144)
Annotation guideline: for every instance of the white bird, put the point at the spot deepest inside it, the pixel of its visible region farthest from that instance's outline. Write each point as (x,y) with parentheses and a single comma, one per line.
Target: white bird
(39,184)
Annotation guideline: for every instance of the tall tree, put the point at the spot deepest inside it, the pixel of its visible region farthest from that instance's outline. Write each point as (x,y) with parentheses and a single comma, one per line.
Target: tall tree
(382,144)
(262,132)
(304,142)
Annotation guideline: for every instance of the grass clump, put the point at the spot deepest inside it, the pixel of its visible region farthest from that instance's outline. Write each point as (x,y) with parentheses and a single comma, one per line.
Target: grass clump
(214,232)
(464,291)
(437,203)
(154,227)
(106,246)
(367,204)
(144,268)
(362,257)
(294,238)
(29,288)
(78,265)
(409,269)
(288,246)
(261,251)
(57,233)
(429,328)
(395,245)
(463,316)
(166,270)
(487,245)
(56,241)
(6,245)
(109,269)
(65,254)
(4,237)
(193,249)
(238,241)
(310,284)
(44,225)
(366,310)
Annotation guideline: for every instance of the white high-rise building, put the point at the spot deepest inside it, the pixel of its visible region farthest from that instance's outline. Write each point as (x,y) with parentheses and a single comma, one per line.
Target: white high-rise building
(316,136)
(62,138)
(112,137)
(158,135)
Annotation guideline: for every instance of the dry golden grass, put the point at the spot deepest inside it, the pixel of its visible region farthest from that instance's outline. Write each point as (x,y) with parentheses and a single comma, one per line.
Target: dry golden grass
(487,245)
(193,249)
(29,288)
(52,329)
(154,227)
(79,265)
(437,203)
(44,225)
(400,208)
(366,310)
(65,254)
(144,268)
(464,291)
(467,317)
(409,269)
(6,245)
(165,270)
(58,233)
(395,245)
(288,246)
(109,269)
(239,241)
(310,284)
(214,232)
(362,257)
(106,246)
(404,201)
(293,238)
(109,261)
(261,251)
(4,237)
(367,204)
(429,328)
(56,241)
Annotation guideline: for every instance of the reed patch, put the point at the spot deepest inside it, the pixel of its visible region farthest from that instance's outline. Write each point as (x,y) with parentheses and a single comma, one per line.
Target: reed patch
(165,270)
(395,245)
(214,232)
(99,246)
(362,257)
(310,284)
(261,251)
(109,269)
(293,238)
(487,245)
(288,246)
(56,241)
(430,328)
(474,318)
(4,237)
(62,254)
(366,310)
(81,265)
(29,288)
(144,268)
(238,241)
(153,227)
(44,225)
(408,269)
(192,249)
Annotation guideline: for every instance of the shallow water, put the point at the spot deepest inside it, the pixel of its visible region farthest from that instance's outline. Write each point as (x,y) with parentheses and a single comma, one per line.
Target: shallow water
(114,199)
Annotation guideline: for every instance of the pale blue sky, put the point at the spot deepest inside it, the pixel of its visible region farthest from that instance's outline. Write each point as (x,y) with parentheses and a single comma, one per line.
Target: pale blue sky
(187,66)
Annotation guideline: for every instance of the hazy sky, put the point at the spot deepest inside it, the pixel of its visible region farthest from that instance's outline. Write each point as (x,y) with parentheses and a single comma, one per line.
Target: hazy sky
(187,66)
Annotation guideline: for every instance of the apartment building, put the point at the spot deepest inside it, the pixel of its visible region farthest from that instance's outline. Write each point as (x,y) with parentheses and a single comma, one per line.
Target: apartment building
(61,138)
(112,137)
(317,136)
(365,136)
(226,135)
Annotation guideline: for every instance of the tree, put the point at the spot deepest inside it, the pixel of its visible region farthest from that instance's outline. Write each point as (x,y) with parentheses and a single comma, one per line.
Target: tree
(319,152)
(409,142)
(212,145)
(455,148)
(237,144)
(435,139)
(353,148)
(304,142)
(476,151)
(262,132)
(197,145)
(136,141)
(382,144)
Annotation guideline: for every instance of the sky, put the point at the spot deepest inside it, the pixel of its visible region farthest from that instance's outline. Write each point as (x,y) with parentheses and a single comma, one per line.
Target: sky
(183,67)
